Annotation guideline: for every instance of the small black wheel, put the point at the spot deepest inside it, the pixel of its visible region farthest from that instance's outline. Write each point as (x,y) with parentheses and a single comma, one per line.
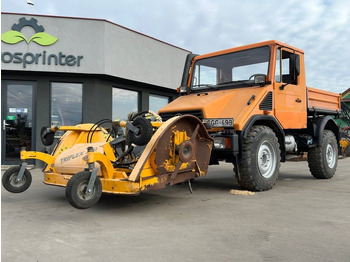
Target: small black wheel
(76,190)
(323,159)
(9,180)
(46,138)
(145,132)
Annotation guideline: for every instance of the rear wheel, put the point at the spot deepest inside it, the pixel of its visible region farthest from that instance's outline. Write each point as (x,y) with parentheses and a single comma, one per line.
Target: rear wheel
(77,194)
(323,159)
(10,183)
(260,160)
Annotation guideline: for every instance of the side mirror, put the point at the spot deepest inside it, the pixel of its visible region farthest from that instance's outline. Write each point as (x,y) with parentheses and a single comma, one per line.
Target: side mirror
(259,79)
(182,89)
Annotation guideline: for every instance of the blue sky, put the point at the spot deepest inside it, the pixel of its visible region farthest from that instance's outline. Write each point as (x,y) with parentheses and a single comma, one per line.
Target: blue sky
(320,27)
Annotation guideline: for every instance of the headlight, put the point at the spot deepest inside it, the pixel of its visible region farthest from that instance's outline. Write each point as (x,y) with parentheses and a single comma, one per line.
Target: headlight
(222,142)
(219,143)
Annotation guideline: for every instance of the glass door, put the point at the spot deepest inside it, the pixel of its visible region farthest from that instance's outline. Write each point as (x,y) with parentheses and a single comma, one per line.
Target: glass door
(17,119)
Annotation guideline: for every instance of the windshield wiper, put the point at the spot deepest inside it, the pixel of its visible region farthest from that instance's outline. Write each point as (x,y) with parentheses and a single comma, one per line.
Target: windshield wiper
(206,85)
(245,82)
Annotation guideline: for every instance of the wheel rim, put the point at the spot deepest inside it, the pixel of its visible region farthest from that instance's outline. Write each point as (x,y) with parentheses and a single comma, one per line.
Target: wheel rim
(266,159)
(330,156)
(81,190)
(16,184)
(139,127)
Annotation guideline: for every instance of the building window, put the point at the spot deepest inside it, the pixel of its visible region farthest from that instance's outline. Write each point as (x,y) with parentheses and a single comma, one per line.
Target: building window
(66,104)
(156,102)
(124,102)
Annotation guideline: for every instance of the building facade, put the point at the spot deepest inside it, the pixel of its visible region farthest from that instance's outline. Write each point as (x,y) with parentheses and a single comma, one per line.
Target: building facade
(66,71)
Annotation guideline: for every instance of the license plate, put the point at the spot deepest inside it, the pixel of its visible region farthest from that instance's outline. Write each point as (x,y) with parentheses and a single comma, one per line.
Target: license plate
(219,122)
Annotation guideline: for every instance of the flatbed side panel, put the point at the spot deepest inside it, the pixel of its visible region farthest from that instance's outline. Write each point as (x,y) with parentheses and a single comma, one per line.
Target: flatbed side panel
(323,100)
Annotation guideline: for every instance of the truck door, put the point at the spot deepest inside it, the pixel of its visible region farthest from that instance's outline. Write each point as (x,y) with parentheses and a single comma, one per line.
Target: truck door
(290,90)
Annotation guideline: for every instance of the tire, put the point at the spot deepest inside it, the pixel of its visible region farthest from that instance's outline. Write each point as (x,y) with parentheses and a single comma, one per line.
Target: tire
(47,139)
(260,163)
(76,187)
(9,180)
(347,150)
(145,132)
(323,159)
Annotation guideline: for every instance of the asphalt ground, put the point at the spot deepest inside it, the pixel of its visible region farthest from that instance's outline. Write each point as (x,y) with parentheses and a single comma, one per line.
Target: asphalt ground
(300,219)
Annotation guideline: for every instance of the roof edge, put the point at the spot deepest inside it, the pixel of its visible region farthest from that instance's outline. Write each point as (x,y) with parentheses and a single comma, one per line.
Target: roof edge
(101,20)
(249,46)
(346,92)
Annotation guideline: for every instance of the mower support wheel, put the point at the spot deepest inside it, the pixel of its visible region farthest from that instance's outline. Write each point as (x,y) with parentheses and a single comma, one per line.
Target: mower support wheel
(10,183)
(47,138)
(144,134)
(76,190)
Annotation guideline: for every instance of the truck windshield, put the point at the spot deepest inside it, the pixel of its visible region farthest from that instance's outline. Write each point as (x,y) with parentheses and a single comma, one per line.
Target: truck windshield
(234,69)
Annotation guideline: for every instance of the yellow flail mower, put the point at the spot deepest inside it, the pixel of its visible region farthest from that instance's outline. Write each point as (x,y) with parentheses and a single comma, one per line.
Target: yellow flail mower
(89,160)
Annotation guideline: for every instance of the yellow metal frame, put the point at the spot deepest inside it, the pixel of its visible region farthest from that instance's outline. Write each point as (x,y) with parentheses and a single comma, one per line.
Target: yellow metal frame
(48,159)
(114,180)
(117,180)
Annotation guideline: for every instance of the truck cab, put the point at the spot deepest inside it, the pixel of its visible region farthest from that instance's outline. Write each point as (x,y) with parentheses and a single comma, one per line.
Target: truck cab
(242,92)
(247,74)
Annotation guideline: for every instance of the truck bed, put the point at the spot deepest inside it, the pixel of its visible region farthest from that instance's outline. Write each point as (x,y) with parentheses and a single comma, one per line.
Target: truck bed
(321,101)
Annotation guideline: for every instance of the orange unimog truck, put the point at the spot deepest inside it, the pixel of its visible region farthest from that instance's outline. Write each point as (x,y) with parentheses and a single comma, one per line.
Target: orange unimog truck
(256,106)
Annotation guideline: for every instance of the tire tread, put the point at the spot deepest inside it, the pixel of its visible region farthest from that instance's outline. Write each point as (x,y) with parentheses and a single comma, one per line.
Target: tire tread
(317,166)
(71,191)
(247,177)
(6,182)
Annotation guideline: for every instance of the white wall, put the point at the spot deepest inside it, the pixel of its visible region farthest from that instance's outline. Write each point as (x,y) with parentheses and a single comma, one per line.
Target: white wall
(106,49)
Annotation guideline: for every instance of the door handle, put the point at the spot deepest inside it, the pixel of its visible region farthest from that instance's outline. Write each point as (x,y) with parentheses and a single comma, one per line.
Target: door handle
(4,124)
(298,100)
(250,100)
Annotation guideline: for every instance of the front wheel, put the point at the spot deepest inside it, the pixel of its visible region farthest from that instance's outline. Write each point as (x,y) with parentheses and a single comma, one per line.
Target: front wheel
(10,183)
(76,190)
(260,159)
(323,159)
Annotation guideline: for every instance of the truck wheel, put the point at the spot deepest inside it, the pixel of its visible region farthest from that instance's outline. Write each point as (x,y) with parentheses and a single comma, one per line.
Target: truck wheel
(260,160)
(323,159)
(76,190)
(9,180)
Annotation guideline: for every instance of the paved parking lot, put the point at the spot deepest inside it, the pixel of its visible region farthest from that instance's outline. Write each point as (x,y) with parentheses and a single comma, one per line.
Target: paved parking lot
(300,219)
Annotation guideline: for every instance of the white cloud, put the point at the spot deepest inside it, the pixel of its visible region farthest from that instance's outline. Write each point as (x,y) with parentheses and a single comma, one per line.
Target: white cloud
(319,27)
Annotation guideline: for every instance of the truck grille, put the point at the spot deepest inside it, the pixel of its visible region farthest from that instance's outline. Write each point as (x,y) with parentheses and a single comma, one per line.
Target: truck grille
(168,115)
(266,104)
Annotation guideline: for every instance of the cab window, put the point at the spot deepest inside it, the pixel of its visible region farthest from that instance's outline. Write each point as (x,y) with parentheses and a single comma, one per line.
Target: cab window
(286,66)
(204,75)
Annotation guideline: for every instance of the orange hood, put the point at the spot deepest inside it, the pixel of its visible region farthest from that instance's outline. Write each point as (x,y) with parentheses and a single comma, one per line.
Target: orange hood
(230,103)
